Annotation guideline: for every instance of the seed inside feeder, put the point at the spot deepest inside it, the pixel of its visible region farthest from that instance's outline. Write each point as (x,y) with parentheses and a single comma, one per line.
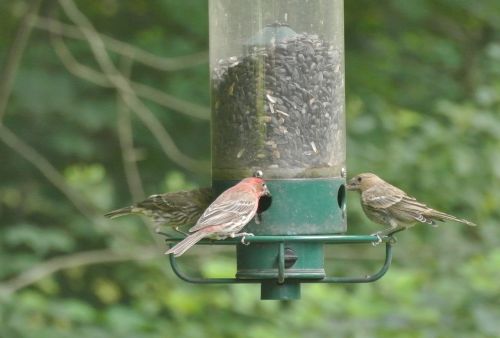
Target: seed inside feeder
(280,105)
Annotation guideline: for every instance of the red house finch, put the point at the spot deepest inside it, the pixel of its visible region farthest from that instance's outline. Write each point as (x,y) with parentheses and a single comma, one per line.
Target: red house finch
(227,215)
(174,208)
(385,204)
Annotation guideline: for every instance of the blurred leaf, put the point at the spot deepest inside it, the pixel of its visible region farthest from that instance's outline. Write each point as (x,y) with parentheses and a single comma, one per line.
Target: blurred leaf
(175,181)
(90,181)
(107,291)
(40,240)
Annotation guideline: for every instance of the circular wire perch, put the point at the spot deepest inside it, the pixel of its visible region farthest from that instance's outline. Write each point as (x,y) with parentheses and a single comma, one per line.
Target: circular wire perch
(283,280)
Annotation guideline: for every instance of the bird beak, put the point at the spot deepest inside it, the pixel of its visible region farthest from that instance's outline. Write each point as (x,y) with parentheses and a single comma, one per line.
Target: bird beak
(266,192)
(350,186)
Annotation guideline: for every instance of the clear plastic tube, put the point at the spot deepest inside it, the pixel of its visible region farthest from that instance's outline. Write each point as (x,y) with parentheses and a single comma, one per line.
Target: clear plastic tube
(277,81)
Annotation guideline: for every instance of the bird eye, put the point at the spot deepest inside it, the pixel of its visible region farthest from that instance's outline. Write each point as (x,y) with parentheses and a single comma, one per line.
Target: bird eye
(359,179)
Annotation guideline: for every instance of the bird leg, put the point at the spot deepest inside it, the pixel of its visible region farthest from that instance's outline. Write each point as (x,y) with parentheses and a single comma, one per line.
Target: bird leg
(389,232)
(395,230)
(378,237)
(242,235)
(182,232)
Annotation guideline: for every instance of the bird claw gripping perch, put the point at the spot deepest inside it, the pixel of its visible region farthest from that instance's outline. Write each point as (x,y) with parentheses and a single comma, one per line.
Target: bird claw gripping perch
(392,238)
(243,239)
(378,237)
(243,235)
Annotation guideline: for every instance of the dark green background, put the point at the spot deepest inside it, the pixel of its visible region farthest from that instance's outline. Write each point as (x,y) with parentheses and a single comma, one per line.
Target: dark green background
(423,98)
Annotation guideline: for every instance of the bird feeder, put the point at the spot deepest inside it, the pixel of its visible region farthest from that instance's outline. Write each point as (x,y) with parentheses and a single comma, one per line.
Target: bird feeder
(277,84)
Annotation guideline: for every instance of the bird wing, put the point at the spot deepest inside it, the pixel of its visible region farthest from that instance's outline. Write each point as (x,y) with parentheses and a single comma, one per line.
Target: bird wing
(394,203)
(227,208)
(409,207)
(168,202)
(382,197)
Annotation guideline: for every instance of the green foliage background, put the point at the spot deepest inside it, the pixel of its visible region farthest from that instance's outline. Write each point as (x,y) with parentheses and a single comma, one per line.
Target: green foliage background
(423,104)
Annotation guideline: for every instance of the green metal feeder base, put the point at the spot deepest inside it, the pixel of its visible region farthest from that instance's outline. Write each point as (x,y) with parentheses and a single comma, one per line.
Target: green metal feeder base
(300,207)
(301,263)
(262,261)
(272,290)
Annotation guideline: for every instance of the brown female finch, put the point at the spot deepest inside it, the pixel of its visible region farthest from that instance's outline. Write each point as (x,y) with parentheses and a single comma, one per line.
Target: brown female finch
(174,208)
(385,204)
(227,215)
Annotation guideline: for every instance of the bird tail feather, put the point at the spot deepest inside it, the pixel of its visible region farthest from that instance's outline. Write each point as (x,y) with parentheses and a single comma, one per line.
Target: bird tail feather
(443,216)
(186,243)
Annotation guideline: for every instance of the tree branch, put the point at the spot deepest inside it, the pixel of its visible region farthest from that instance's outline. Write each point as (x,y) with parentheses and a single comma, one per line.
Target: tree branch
(46,168)
(15,54)
(44,269)
(142,90)
(125,49)
(135,104)
(126,139)
(169,101)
